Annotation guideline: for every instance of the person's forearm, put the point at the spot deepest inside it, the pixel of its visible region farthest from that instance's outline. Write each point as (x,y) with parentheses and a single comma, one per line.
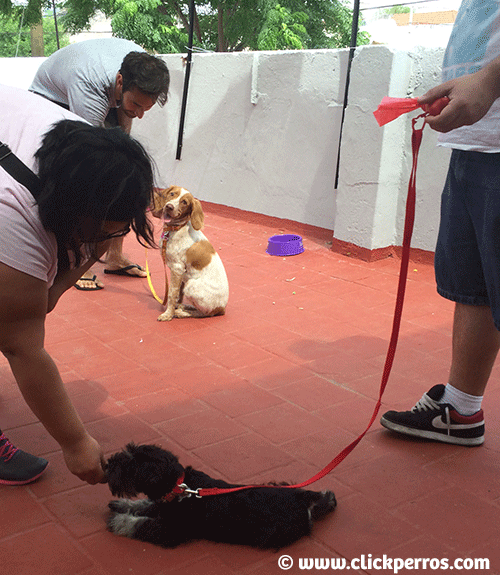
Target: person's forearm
(40,383)
(492,72)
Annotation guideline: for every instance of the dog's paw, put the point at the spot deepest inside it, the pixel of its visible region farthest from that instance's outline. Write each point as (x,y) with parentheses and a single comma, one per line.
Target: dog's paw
(166,316)
(125,524)
(120,505)
(330,500)
(184,312)
(138,507)
(321,507)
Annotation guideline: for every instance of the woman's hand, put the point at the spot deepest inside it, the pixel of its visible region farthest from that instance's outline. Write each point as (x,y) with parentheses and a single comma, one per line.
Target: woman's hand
(85,459)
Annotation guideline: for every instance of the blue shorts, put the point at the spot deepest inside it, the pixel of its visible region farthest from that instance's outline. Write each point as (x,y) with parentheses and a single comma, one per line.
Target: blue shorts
(467,259)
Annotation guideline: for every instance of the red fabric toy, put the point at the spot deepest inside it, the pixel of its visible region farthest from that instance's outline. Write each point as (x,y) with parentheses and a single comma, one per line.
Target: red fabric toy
(391,108)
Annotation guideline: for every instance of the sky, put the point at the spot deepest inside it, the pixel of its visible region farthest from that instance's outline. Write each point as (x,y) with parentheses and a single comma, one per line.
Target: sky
(385,31)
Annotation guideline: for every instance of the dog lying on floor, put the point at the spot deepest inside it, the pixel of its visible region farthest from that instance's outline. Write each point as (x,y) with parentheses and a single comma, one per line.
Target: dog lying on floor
(196,270)
(263,517)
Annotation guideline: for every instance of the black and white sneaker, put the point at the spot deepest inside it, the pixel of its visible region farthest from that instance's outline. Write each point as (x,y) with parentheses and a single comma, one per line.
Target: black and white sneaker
(439,421)
(18,467)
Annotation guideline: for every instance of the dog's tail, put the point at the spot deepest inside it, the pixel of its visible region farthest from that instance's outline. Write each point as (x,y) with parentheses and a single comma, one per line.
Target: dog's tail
(324,503)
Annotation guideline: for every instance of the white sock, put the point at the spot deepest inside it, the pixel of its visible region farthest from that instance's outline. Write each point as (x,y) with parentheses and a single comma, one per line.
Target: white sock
(464,403)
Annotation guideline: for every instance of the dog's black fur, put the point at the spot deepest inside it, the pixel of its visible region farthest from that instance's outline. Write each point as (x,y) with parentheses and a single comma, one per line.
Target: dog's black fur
(264,517)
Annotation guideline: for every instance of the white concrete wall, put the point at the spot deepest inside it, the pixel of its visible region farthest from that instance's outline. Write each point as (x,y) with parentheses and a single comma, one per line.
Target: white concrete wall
(375,163)
(262,132)
(18,71)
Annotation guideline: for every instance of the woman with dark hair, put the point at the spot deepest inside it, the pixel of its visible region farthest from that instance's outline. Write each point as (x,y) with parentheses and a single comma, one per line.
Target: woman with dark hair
(109,179)
(94,184)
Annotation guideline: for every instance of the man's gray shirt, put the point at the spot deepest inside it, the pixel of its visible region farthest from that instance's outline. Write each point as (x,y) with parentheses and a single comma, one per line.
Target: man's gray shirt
(83,76)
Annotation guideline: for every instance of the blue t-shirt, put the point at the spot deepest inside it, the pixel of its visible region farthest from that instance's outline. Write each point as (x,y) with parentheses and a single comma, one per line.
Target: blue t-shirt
(474,42)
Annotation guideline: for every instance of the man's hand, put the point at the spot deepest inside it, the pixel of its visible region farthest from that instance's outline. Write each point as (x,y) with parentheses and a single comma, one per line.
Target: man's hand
(470,98)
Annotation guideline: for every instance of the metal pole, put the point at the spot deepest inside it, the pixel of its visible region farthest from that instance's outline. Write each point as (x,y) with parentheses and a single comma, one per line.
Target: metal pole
(186,80)
(55,22)
(352,49)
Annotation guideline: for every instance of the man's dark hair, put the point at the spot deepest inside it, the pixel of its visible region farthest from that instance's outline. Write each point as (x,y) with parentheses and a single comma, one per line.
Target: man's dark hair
(149,73)
(90,175)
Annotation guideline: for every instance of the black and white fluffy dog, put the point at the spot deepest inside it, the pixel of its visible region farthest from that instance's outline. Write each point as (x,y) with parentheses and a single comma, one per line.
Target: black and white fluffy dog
(264,517)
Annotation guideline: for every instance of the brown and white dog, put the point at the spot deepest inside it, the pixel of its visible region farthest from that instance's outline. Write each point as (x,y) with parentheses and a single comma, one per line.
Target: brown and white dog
(196,270)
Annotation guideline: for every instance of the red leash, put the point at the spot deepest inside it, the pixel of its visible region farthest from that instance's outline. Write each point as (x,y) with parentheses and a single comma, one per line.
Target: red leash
(416,140)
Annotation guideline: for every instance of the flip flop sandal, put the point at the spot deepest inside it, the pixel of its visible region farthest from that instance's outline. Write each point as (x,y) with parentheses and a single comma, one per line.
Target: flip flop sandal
(124,271)
(92,279)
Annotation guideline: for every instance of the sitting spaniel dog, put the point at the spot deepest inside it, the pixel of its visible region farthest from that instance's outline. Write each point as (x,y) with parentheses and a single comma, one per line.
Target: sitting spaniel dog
(265,517)
(196,270)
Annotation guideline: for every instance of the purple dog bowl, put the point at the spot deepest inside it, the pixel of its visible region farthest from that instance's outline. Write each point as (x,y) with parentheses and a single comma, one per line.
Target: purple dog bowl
(285,245)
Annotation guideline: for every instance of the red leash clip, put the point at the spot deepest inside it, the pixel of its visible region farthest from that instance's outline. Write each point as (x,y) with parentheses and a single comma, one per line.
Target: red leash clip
(436,107)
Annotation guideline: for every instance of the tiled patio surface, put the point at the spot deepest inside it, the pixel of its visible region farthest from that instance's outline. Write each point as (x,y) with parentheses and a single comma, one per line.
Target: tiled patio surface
(271,391)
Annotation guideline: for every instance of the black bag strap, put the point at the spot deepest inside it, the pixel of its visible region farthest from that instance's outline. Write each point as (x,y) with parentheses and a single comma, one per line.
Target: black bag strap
(18,170)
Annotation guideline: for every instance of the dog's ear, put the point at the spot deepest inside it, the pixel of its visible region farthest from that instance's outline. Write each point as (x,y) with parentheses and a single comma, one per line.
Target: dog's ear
(121,474)
(197,216)
(159,472)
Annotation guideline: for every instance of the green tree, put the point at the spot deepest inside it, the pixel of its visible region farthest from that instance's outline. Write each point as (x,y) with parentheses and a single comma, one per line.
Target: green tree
(283,30)
(143,23)
(397,10)
(31,9)
(221,25)
(15,38)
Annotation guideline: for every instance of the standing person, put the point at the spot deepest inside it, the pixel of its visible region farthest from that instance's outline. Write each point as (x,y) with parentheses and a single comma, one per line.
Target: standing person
(108,82)
(467,259)
(94,185)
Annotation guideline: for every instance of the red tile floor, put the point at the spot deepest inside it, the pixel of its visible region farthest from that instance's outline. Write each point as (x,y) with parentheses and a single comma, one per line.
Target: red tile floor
(272,390)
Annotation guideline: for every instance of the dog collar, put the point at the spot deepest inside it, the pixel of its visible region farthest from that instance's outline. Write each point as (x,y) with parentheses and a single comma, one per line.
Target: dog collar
(167,228)
(179,489)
